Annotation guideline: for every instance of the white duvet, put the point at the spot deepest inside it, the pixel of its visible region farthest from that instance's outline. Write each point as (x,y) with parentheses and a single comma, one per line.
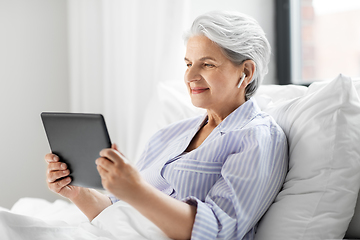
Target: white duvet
(38,219)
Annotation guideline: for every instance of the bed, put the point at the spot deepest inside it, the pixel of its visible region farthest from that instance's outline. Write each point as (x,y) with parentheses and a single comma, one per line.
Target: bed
(318,199)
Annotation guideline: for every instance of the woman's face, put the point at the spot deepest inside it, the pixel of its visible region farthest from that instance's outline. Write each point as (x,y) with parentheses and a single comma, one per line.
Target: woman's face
(211,78)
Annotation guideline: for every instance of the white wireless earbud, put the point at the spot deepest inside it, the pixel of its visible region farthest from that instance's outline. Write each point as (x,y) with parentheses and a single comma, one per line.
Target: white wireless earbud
(241,80)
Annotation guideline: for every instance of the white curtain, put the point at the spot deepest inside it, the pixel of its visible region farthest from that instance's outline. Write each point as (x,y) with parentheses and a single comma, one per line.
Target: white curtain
(119,51)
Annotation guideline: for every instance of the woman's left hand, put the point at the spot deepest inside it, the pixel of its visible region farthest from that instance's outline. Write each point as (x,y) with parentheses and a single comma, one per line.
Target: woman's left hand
(118,176)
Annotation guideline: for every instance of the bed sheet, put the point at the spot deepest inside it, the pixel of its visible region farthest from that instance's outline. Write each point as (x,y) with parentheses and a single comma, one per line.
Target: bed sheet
(32,218)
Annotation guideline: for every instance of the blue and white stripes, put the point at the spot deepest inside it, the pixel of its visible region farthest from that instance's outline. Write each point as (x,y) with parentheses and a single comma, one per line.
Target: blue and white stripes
(233,177)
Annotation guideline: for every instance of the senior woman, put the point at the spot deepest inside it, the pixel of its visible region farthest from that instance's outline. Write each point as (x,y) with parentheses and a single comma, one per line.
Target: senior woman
(209,177)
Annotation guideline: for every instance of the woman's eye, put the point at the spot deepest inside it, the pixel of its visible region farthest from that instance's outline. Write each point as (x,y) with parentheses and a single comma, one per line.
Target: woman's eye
(209,65)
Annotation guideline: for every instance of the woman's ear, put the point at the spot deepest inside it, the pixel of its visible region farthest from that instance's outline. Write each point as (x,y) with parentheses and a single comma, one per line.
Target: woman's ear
(249,70)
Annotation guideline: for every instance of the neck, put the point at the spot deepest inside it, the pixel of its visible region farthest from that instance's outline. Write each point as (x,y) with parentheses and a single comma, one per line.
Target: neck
(216,117)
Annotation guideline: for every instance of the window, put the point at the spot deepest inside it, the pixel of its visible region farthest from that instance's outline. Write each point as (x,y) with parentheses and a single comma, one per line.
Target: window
(317,40)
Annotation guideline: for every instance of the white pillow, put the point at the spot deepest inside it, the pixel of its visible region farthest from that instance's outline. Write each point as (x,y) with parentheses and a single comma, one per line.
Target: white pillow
(321,188)
(277,93)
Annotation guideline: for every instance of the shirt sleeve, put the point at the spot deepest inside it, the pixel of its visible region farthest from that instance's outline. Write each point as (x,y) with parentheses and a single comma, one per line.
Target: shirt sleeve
(113,199)
(250,180)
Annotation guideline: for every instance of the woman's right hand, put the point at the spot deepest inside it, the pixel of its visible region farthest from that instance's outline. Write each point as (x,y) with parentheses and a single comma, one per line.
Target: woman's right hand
(57,177)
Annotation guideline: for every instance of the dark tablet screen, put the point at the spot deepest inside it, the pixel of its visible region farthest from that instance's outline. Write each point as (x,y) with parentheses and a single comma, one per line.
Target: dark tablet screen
(77,138)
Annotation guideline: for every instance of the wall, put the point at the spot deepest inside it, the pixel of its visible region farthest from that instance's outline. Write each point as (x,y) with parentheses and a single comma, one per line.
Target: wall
(33,78)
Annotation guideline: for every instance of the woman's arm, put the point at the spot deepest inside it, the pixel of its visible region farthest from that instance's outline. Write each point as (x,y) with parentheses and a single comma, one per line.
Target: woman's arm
(173,217)
(89,201)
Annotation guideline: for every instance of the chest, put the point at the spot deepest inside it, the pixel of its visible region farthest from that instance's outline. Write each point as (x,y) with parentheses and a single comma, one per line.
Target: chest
(194,173)
(199,138)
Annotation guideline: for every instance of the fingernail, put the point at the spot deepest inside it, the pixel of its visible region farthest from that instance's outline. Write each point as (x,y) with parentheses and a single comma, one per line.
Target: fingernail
(55,158)
(63,165)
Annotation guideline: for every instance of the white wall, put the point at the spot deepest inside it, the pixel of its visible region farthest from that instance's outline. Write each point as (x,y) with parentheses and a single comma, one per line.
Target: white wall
(33,78)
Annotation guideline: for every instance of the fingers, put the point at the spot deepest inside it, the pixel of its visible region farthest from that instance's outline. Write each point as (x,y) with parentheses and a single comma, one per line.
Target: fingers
(114,146)
(55,175)
(103,164)
(56,166)
(58,185)
(112,155)
(102,171)
(56,170)
(50,157)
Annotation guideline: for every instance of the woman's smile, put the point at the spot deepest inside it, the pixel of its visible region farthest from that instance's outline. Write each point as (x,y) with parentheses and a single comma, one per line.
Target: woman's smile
(198,90)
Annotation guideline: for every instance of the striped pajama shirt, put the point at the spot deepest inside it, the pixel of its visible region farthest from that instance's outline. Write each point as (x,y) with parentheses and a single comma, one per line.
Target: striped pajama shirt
(232,177)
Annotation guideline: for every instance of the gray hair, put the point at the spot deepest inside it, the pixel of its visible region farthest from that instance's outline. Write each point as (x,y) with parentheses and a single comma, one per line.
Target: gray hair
(240,38)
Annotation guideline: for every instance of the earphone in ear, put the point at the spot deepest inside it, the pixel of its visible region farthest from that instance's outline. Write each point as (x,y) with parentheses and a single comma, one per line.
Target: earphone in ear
(241,80)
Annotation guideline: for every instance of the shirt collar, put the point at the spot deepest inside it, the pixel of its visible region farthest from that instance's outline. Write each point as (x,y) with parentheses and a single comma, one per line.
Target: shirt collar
(235,120)
(238,118)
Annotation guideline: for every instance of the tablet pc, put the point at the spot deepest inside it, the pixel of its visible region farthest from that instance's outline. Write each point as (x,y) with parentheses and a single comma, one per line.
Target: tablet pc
(78,138)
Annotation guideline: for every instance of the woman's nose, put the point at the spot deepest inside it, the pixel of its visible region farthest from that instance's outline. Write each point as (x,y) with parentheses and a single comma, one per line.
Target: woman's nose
(192,74)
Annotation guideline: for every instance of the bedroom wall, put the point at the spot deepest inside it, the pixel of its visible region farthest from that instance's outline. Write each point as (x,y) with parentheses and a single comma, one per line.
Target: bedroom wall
(33,78)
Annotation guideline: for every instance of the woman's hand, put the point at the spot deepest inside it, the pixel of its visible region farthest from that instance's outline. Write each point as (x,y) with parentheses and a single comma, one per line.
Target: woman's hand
(57,176)
(89,201)
(118,176)
(175,218)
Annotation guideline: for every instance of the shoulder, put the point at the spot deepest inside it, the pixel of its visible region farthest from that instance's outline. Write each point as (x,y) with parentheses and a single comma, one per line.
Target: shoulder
(264,122)
(259,127)
(265,130)
(249,118)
